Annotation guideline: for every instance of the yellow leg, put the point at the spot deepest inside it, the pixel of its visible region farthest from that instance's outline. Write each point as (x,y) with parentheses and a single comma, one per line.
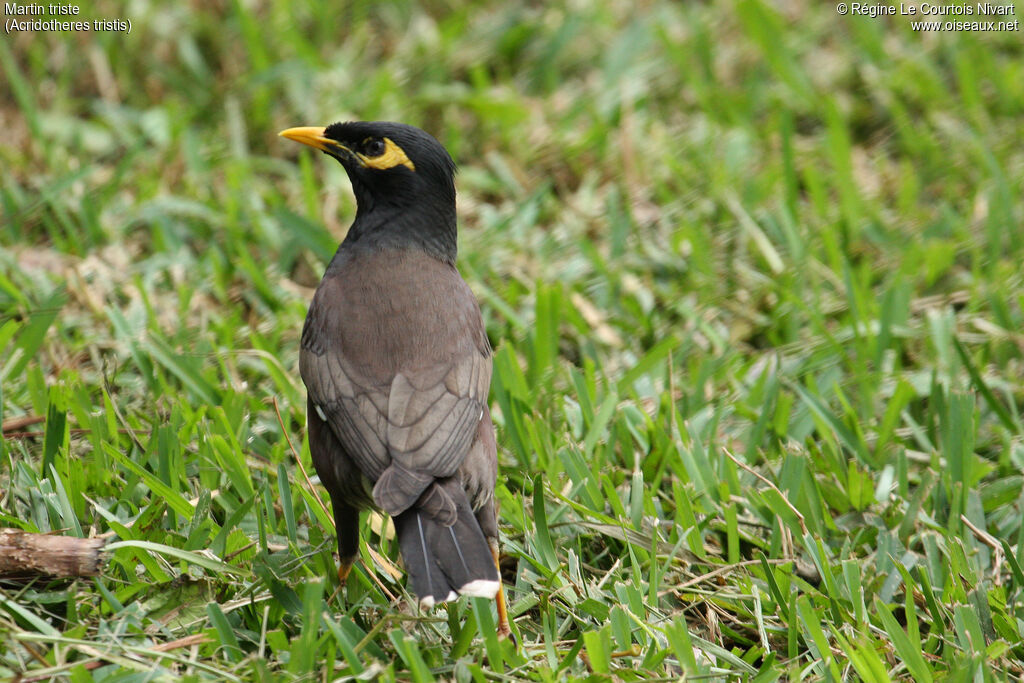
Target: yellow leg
(344,569)
(503,628)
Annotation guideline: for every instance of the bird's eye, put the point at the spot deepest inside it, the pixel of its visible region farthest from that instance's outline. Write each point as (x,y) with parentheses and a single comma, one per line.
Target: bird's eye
(373,147)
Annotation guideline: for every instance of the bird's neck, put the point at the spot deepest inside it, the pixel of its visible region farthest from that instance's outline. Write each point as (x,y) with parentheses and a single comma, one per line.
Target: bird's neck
(431,229)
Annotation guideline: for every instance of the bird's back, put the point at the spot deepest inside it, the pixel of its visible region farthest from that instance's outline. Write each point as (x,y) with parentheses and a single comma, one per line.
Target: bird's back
(395,360)
(394,311)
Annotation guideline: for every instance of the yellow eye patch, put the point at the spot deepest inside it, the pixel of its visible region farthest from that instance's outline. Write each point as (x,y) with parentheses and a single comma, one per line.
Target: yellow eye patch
(393,156)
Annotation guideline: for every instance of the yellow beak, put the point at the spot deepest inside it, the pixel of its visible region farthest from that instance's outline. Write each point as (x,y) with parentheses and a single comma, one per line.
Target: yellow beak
(312,136)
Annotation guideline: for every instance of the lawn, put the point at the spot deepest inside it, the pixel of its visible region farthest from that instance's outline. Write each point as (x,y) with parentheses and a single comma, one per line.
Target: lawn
(753,274)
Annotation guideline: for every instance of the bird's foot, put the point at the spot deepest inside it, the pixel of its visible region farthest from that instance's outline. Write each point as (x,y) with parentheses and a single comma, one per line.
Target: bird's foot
(505,633)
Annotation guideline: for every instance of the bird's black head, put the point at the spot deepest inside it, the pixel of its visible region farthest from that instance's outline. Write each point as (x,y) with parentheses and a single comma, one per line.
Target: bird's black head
(403,179)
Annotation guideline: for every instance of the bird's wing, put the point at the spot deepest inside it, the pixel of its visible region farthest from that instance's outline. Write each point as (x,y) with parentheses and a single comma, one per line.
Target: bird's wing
(350,405)
(420,414)
(433,413)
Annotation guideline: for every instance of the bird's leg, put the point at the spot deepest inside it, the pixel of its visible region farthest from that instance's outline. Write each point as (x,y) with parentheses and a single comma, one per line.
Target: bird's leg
(345,568)
(499,600)
(487,516)
(346,521)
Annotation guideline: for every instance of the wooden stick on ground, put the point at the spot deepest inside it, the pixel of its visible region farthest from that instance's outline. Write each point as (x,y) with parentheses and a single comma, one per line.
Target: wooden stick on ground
(26,554)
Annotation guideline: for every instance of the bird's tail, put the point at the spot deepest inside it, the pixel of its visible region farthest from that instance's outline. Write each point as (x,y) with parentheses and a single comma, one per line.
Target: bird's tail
(445,561)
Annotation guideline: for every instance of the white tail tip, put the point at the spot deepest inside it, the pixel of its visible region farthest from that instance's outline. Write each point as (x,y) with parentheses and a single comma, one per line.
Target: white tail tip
(481,588)
(428,601)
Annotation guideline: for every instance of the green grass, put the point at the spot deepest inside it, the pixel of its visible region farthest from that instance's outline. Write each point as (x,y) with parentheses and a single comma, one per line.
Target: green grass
(752,271)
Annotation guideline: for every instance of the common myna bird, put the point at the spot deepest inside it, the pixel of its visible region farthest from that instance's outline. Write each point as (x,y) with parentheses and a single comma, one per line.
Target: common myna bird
(397,367)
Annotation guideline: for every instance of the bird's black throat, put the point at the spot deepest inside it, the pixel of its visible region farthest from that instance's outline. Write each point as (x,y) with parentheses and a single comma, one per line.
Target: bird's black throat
(424,226)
